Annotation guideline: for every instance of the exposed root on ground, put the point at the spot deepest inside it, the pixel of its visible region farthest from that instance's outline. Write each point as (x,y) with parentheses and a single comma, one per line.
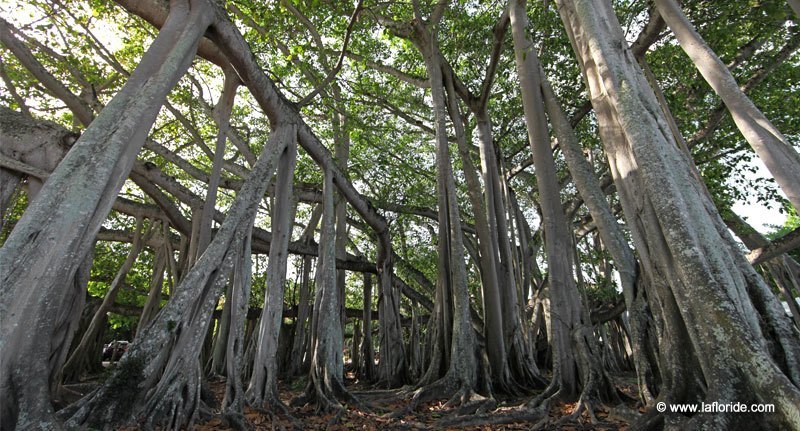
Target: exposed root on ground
(497,417)
(328,400)
(236,421)
(464,400)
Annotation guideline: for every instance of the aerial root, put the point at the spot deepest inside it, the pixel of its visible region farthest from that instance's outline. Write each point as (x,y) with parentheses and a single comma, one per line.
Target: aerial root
(336,418)
(542,401)
(468,402)
(236,421)
(329,400)
(441,388)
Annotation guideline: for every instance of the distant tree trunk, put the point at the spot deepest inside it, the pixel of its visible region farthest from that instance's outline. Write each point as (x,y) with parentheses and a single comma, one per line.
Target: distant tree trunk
(84,357)
(160,374)
(153,303)
(392,367)
(367,370)
(576,369)
(698,277)
(219,346)
(415,343)
(57,231)
(777,153)
(355,343)
(299,342)
(300,346)
(263,386)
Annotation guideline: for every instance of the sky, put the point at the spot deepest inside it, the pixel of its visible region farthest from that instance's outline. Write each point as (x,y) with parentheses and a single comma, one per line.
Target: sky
(757,214)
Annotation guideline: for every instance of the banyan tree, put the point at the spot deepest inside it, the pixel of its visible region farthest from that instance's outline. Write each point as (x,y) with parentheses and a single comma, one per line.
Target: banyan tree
(531,212)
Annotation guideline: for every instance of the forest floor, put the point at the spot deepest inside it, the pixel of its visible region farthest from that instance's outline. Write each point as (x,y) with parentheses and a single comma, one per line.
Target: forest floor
(427,416)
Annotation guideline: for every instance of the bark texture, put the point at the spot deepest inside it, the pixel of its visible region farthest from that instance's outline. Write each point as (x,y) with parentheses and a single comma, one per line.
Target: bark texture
(56,232)
(158,382)
(700,280)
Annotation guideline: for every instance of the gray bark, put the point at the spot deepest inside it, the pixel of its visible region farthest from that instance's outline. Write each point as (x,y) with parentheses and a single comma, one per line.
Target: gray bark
(160,374)
(58,229)
(367,369)
(488,259)
(455,340)
(700,280)
(326,387)
(576,371)
(263,387)
(233,403)
(611,234)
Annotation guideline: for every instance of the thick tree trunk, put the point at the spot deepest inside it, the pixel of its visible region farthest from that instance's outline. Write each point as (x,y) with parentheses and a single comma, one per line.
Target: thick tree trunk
(777,153)
(488,259)
(57,231)
(612,236)
(263,387)
(455,345)
(341,152)
(522,365)
(326,386)
(700,280)
(158,381)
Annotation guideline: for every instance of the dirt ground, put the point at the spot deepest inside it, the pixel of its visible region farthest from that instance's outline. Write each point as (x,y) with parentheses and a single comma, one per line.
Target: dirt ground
(433,415)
